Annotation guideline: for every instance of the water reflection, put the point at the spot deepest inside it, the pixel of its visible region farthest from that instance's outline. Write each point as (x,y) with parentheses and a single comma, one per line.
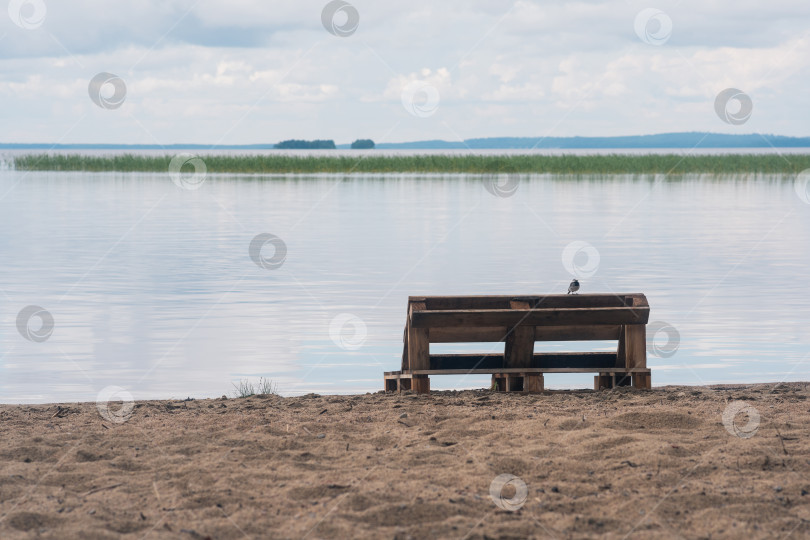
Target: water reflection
(152,288)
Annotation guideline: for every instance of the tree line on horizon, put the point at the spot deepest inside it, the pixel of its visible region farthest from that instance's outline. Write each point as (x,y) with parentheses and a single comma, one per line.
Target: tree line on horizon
(321,144)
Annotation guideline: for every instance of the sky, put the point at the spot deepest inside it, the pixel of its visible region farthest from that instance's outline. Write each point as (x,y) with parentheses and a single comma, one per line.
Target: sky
(253,71)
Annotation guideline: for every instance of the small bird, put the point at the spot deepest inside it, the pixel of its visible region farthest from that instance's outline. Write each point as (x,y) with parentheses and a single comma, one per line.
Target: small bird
(574,287)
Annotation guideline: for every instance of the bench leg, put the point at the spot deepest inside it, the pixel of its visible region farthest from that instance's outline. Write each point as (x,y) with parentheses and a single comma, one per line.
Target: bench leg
(606,381)
(533,383)
(603,381)
(420,384)
(642,380)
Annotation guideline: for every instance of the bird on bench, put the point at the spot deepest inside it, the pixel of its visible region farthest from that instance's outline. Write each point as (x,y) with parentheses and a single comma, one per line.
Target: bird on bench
(573,287)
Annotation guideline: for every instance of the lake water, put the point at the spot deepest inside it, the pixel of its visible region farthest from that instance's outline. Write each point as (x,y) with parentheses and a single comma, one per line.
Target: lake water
(152,287)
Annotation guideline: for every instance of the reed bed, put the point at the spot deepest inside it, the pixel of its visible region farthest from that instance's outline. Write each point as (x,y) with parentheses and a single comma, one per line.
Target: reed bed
(443,163)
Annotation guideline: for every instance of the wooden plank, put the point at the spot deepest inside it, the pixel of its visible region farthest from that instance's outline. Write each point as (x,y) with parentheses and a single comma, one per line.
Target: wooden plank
(466,361)
(491,334)
(642,380)
(490,371)
(418,341)
(405,348)
(418,349)
(494,334)
(519,346)
(533,383)
(591,360)
(573,360)
(577,333)
(635,346)
(535,317)
(420,384)
(542,301)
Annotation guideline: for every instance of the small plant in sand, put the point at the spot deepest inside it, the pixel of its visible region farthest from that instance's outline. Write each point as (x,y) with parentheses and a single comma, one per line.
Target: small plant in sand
(246,388)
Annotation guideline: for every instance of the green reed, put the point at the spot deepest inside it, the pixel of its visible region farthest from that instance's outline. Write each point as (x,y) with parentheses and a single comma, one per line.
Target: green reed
(438,163)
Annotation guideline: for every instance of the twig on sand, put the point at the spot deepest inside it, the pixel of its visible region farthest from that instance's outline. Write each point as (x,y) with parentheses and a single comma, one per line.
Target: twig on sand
(96,490)
(60,412)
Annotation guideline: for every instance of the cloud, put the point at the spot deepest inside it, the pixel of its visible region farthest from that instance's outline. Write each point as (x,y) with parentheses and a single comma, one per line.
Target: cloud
(251,71)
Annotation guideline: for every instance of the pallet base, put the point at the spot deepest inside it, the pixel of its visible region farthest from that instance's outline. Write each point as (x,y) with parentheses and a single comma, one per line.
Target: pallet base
(606,381)
(396,381)
(519,380)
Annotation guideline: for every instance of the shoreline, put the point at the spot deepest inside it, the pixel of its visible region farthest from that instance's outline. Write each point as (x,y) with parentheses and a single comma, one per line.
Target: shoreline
(638,463)
(441,393)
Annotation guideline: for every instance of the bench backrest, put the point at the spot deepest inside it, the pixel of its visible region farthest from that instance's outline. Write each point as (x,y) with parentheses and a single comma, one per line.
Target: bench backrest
(520,320)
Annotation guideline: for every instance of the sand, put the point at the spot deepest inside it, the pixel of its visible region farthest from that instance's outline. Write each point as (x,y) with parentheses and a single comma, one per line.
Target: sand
(613,464)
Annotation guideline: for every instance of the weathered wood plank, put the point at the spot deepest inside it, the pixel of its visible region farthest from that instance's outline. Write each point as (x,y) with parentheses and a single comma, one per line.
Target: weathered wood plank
(466,361)
(420,384)
(590,360)
(577,333)
(490,371)
(635,346)
(418,342)
(533,383)
(519,346)
(493,334)
(541,301)
(405,347)
(642,380)
(535,317)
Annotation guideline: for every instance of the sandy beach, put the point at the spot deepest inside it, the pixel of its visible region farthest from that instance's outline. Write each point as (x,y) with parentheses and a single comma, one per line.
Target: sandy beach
(615,464)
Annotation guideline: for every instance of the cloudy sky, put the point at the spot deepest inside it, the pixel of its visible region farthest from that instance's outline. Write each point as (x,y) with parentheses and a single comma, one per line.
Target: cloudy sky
(253,71)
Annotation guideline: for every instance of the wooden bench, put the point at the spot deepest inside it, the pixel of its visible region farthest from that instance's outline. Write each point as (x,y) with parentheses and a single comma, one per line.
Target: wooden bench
(519,321)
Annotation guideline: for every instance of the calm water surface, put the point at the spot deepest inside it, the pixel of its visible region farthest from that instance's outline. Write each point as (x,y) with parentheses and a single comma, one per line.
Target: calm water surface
(151,287)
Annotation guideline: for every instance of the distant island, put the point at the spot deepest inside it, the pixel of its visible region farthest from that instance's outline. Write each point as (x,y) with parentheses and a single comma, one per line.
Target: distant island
(663,140)
(296,144)
(363,144)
